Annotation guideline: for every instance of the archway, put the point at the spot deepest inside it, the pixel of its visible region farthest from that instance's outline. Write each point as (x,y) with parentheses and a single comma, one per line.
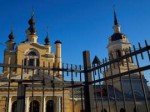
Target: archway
(14,106)
(34,106)
(50,106)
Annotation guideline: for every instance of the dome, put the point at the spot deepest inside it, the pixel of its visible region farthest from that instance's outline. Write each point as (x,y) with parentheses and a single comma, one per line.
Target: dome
(117,36)
(31,21)
(47,41)
(11,36)
(58,41)
(32,30)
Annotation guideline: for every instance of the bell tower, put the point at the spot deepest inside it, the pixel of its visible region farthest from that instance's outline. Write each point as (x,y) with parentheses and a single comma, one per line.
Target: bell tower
(118,42)
(118,46)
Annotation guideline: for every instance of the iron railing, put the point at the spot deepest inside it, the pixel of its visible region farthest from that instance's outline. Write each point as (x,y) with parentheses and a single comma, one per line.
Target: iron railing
(110,85)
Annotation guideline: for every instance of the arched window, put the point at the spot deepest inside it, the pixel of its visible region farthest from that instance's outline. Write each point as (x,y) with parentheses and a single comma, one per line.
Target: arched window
(34,106)
(50,106)
(118,53)
(122,110)
(103,110)
(14,106)
(32,53)
(32,58)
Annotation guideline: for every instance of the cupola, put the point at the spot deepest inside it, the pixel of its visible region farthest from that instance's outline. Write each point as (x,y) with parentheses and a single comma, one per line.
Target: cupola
(31,31)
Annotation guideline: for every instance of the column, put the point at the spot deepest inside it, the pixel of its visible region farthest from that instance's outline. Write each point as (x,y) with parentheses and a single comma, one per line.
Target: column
(43,104)
(27,104)
(10,104)
(59,104)
(35,60)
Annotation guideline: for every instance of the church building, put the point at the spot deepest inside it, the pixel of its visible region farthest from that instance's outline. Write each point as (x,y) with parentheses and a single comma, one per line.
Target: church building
(33,54)
(29,60)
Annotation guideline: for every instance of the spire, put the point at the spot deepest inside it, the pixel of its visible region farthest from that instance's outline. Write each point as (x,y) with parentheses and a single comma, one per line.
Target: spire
(47,38)
(115,17)
(116,26)
(96,60)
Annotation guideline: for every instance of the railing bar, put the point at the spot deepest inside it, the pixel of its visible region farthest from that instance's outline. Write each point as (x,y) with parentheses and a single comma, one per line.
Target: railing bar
(67,70)
(124,101)
(121,58)
(72,83)
(114,92)
(22,71)
(94,92)
(148,50)
(53,87)
(99,77)
(130,53)
(81,89)
(32,91)
(122,74)
(130,79)
(8,90)
(43,88)
(141,52)
(63,108)
(141,79)
(107,89)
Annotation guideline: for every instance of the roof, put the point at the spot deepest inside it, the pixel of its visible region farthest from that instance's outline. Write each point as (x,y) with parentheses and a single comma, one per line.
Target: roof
(117,36)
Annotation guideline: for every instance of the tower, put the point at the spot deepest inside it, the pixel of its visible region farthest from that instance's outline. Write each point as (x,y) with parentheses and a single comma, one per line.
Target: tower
(118,46)
(9,53)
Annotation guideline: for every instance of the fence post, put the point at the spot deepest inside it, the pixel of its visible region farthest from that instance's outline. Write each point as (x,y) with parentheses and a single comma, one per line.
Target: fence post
(21,97)
(88,89)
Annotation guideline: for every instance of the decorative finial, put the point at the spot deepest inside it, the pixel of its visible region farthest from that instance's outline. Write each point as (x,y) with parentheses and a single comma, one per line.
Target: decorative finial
(115,17)
(11,35)
(47,37)
(31,22)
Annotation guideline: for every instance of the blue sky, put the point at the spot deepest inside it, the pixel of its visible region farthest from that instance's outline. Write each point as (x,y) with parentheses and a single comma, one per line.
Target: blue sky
(79,24)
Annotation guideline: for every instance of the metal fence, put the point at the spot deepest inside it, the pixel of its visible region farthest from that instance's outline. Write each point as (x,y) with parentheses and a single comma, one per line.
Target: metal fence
(110,85)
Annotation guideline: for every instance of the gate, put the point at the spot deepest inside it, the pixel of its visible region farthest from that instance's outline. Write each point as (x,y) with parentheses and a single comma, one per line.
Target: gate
(110,85)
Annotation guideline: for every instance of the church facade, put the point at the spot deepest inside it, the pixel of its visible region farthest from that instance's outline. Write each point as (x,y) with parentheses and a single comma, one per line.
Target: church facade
(31,53)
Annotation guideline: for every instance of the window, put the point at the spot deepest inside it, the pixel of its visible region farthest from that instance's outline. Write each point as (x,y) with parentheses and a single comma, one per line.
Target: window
(34,106)
(32,53)
(50,106)
(122,110)
(14,106)
(32,58)
(118,53)
(31,62)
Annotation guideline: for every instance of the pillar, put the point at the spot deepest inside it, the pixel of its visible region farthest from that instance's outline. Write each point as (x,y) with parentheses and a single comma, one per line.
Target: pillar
(27,104)
(43,104)
(10,104)
(59,103)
